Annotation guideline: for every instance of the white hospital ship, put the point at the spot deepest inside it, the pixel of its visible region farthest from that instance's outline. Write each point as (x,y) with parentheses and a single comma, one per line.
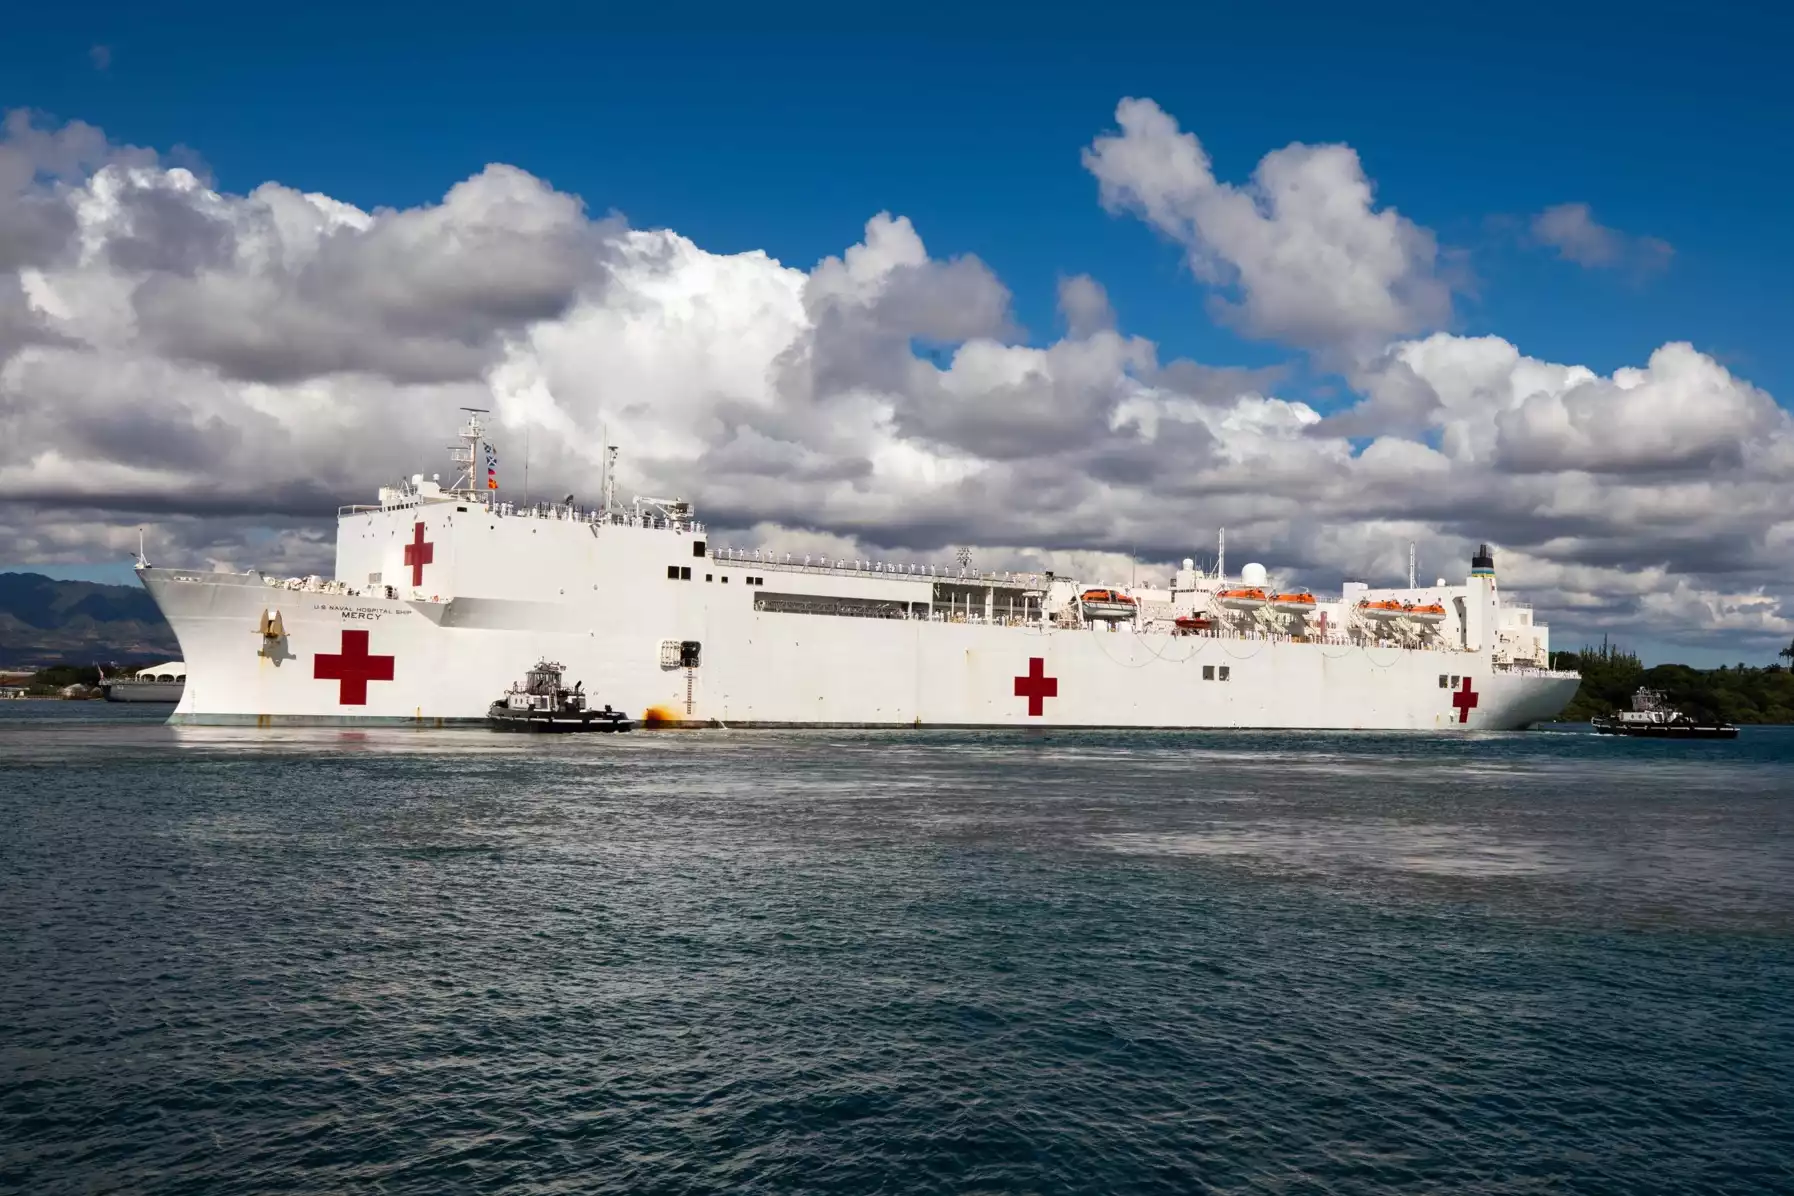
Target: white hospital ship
(444,596)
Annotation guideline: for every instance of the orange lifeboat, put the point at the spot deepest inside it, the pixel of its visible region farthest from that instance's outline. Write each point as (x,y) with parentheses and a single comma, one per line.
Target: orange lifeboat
(1294,603)
(1110,605)
(1248,599)
(1431,613)
(1384,610)
(1191,624)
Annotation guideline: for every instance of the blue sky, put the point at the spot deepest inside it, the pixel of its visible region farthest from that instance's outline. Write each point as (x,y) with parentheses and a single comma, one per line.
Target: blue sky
(752,131)
(785,128)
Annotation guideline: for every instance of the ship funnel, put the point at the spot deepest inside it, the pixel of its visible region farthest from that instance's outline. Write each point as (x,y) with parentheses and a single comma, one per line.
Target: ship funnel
(1483,563)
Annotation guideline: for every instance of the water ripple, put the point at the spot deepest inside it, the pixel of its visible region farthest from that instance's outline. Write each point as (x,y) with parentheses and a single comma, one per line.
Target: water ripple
(317,961)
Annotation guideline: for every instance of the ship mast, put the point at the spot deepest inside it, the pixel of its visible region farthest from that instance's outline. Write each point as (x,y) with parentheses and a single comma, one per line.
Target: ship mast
(468,455)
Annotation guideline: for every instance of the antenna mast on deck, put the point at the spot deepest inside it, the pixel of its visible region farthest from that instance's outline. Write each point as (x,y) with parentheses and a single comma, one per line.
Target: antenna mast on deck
(1221,557)
(1413,578)
(467,455)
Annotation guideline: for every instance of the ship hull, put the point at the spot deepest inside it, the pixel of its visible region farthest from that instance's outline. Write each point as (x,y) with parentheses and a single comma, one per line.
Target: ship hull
(557,724)
(351,660)
(166,692)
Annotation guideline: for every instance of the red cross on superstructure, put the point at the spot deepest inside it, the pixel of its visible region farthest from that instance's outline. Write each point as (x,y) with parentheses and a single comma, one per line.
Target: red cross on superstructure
(1036,686)
(419,553)
(1465,700)
(352,669)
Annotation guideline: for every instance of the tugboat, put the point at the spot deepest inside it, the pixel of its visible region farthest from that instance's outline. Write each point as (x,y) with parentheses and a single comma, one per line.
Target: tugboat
(543,703)
(1652,717)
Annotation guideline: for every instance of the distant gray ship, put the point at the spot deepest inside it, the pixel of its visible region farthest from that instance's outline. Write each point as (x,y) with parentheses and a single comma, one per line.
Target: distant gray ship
(159,683)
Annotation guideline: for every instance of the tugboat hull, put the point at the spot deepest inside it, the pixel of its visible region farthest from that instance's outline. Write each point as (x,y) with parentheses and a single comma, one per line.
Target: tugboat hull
(543,722)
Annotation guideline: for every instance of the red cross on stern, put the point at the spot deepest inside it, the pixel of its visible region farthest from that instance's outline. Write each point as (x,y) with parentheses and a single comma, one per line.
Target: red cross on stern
(352,669)
(418,553)
(1036,686)
(1465,700)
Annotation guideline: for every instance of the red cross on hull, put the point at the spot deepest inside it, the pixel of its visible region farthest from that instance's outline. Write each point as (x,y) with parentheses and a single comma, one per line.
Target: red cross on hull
(1465,700)
(1036,686)
(352,669)
(419,553)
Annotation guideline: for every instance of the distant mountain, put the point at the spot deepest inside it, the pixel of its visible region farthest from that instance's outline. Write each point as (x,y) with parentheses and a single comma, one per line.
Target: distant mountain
(43,621)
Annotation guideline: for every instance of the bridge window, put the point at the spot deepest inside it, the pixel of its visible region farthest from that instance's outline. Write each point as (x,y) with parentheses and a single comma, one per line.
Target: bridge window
(697,548)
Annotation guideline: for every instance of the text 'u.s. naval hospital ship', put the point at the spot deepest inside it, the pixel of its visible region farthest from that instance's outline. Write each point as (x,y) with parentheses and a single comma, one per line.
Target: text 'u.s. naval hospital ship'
(443,597)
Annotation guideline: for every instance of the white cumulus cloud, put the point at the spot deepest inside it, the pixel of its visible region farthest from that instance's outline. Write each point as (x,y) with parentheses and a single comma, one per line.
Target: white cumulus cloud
(225,369)
(1300,254)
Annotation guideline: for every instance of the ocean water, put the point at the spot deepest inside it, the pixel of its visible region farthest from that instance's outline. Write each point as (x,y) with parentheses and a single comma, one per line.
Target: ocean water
(386,961)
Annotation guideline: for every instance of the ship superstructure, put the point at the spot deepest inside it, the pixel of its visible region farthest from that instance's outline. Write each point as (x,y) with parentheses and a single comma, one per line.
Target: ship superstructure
(442,595)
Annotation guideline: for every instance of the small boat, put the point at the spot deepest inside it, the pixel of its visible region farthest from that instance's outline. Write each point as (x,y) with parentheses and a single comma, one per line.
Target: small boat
(1109,605)
(1248,599)
(1192,624)
(543,703)
(1652,717)
(159,683)
(1295,603)
(1430,614)
(1385,610)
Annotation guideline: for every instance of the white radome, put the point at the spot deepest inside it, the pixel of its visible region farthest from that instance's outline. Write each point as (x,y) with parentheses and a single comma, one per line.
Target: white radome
(443,597)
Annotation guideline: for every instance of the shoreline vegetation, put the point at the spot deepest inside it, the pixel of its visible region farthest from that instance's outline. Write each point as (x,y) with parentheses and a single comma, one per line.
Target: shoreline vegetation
(1744,694)
(64,682)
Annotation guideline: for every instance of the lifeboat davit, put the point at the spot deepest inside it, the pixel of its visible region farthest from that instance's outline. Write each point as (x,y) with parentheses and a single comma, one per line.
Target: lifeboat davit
(1241,599)
(1430,614)
(1385,610)
(1107,605)
(1293,604)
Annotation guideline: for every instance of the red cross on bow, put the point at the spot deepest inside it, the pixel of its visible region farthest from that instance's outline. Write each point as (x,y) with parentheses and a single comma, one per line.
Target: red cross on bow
(1465,700)
(1036,686)
(418,553)
(352,669)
